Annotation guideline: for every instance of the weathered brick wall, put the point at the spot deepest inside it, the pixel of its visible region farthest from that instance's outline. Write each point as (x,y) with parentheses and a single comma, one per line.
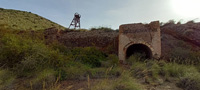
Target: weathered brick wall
(108,41)
(104,40)
(144,34)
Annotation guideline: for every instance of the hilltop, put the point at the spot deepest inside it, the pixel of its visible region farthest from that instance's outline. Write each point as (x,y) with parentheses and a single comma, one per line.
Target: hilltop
(23,20)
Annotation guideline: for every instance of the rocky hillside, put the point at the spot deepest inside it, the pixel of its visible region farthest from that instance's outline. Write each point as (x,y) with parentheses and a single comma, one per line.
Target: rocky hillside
(103,39)
(22,20)
(185,36)
(173,36)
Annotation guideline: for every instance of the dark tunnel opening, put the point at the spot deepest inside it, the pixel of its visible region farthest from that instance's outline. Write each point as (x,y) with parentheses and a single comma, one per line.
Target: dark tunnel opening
(139,48)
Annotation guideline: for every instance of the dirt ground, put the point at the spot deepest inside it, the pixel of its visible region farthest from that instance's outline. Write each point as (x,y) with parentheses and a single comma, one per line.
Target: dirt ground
(77,84)
(83,85)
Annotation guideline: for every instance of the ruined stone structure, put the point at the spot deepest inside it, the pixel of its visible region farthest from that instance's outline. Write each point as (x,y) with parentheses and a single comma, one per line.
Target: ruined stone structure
(139,38)
(106,41)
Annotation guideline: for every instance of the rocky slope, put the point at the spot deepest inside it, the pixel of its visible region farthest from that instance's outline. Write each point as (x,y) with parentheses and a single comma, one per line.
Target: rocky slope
(172,36)
(104,40)
(180,35)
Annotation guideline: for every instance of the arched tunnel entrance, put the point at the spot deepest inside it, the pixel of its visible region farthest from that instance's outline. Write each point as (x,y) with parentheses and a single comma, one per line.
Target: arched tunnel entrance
(139,48)
(139,38)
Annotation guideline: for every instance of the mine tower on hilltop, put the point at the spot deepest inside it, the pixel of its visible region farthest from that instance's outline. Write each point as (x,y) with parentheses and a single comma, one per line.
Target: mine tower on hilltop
(76,21)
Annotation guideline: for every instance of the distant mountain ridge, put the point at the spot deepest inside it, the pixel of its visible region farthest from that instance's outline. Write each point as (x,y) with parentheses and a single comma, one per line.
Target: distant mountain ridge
(23,20)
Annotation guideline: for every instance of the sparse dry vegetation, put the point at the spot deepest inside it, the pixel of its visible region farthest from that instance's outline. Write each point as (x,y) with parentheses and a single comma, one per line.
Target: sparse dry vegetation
(22,20)
(29,62)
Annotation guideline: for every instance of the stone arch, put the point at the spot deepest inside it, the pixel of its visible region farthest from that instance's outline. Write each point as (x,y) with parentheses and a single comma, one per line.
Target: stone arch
(138,48)
(139,37)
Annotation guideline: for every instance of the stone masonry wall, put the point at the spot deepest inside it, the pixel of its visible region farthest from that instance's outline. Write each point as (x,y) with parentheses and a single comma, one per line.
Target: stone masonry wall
(104,40)
(146,34)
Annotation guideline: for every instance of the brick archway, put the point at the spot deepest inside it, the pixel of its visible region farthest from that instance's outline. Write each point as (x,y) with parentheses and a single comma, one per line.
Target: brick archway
(139,38)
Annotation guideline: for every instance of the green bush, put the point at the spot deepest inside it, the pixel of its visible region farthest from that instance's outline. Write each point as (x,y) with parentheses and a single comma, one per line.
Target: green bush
(190,80)
(184,54)
(149,70)
(153,69)
(137,57)
(60,47)
(178,70)
(124,82)
(138,70)
(43,79)
(88,55)
(110,72)
(189,84)
(12,50)
(25,55)
(189,76)
(6,79)
(173,70)
(106,29)
(76,71)
(112,61)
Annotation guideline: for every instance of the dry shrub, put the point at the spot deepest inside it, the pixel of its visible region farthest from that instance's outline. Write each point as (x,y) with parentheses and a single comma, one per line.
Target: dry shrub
(124,82)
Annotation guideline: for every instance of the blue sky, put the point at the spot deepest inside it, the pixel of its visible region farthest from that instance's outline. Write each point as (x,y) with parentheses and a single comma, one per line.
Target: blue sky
(108,13)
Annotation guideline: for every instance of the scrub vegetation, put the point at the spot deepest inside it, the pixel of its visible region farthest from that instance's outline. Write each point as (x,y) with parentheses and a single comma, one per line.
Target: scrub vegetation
(28,62)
